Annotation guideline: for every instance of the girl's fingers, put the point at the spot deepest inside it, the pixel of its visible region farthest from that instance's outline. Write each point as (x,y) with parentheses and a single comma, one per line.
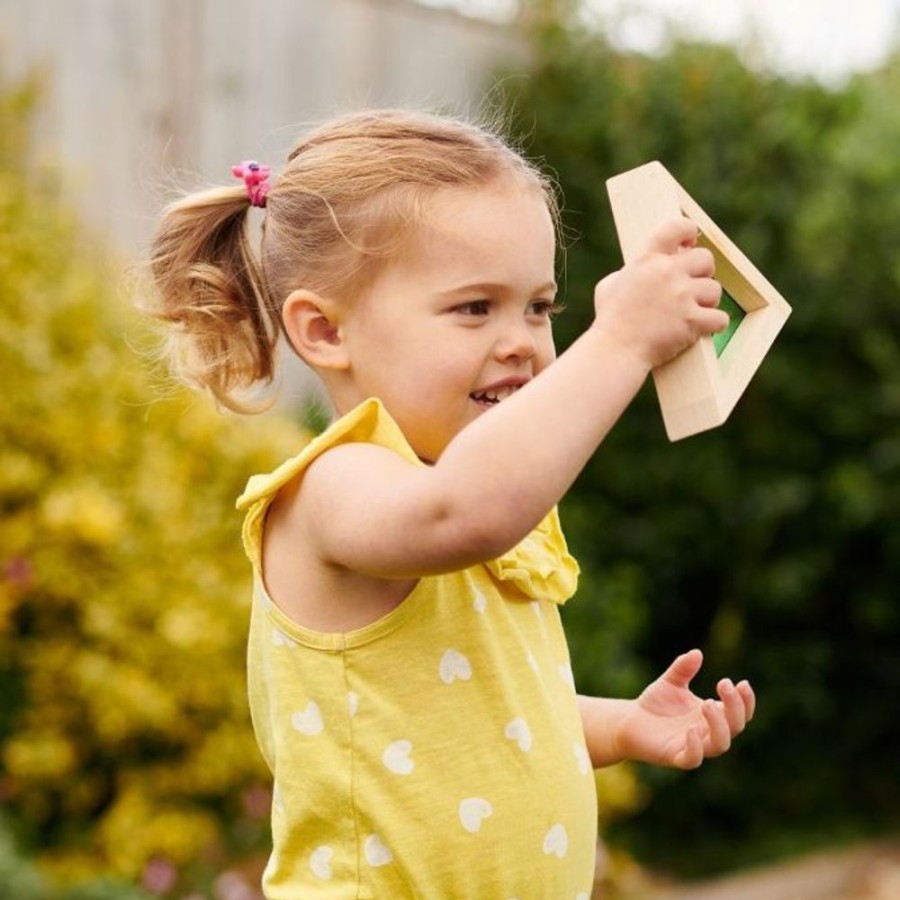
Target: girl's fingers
(684,668)
(691,755)
(672,236)
(719,738)
(709,293)
(733,706)
(699,262)
(749,698)
(724,718)
(710,321)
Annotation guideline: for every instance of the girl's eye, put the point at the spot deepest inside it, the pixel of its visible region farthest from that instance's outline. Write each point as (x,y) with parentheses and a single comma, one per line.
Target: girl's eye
(546,308)
(474,308)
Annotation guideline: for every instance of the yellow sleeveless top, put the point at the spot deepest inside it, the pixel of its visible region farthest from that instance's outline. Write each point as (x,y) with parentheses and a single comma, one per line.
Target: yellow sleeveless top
(436,753)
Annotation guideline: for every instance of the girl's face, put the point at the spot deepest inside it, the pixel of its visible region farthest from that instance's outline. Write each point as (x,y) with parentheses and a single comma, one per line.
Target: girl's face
(461,319)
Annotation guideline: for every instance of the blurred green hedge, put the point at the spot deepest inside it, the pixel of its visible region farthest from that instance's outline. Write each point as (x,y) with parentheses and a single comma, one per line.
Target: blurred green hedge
(772,542)
(20,880)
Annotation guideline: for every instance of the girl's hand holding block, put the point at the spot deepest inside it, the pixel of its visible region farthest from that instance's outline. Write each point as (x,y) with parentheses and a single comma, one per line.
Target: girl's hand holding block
(699,388)
(664,299)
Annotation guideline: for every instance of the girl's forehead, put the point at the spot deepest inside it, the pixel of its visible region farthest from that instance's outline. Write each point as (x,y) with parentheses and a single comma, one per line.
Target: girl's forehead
(466,212)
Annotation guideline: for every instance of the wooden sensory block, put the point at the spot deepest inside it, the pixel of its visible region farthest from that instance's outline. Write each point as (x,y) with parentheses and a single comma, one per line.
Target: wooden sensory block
(698,389)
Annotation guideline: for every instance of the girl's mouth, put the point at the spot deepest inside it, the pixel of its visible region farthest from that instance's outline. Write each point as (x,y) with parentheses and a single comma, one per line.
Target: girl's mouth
(493,396)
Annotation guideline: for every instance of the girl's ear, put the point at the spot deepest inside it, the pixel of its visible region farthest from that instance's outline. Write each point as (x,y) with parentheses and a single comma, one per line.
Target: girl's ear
(311,324)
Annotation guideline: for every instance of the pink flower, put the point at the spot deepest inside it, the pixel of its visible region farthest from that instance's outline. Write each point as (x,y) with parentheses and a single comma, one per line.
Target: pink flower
(159,876)
(257,801)
(18,571)
(231,886)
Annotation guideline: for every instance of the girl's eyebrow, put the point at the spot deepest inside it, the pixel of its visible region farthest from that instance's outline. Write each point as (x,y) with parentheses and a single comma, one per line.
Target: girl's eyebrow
(494,288)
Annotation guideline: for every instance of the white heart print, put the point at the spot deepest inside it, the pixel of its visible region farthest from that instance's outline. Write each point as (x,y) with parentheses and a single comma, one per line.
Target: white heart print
(352,703)
(320,862)
(517,730)
(308,722)
(581,755)
(472,812)
(376,852)
(480,602)
(396,758)
(280,639)
(565,672)
(556,841)
(454,665)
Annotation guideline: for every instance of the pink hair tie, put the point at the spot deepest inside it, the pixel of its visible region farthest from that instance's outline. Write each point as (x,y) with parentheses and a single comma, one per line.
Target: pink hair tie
(256,178)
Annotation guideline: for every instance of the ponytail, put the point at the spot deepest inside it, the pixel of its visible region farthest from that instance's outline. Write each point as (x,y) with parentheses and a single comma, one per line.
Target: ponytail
(211,292)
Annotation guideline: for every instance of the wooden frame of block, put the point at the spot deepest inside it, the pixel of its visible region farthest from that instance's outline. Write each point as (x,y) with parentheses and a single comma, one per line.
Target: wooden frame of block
(698,389)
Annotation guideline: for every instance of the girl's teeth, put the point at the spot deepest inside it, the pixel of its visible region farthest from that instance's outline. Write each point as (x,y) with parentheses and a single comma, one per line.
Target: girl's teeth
(499,394)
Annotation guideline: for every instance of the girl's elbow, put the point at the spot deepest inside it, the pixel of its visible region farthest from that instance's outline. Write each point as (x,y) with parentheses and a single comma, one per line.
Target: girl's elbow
(465,530)
(483,537)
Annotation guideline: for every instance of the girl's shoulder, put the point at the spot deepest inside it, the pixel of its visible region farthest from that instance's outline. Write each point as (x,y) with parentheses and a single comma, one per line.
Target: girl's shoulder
(290,516)
(368,423)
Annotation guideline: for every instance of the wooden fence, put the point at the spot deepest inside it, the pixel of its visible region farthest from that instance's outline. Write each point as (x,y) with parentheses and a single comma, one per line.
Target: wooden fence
(141,95)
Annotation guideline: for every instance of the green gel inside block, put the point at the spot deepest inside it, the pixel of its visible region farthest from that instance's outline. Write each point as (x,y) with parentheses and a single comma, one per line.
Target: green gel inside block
(735,314)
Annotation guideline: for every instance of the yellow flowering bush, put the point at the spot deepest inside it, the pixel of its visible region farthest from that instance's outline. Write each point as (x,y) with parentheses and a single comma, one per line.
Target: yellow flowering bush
(124,732)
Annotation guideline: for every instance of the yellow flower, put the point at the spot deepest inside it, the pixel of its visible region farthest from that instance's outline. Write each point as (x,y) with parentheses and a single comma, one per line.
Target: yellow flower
(39,757)
(84,512)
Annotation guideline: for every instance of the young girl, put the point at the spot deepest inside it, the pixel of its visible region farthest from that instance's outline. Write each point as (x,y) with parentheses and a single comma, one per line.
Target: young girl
(409,679)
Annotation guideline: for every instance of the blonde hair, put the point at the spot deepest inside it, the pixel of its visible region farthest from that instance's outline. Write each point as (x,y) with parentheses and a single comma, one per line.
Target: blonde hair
(348,196)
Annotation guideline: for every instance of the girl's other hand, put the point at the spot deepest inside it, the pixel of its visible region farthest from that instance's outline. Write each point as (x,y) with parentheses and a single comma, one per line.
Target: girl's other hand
(663,301)
(668,725)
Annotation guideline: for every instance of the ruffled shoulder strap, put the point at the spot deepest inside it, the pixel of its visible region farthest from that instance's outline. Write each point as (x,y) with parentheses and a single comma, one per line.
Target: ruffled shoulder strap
(540,566)
(367,423)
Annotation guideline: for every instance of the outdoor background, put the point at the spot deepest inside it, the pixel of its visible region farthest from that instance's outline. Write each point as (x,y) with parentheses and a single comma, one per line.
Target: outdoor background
(127,765)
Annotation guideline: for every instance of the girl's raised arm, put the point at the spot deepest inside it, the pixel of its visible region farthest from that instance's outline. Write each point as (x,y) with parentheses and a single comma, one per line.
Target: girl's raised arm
(369,511)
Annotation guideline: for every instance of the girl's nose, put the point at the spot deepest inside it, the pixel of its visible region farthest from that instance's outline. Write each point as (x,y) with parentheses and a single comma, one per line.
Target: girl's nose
(517,343)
